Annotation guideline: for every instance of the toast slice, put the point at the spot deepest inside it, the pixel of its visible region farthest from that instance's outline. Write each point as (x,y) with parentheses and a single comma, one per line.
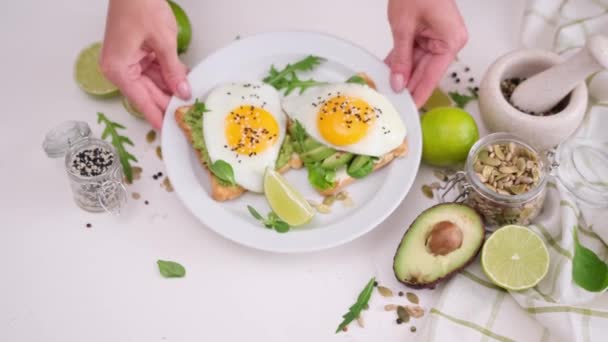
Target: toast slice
(221,192)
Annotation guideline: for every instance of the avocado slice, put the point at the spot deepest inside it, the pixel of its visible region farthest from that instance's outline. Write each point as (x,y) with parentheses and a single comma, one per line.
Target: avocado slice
(441,241)
(311,144)
(317,154)
(336,160)
(360,167)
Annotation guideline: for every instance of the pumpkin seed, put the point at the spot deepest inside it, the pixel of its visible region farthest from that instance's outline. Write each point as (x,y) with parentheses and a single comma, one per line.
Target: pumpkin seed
(520,163)
(412,297)
(136,195)
(413,329)
(485,158)
(159,152)
(427,191)
(517,189)
(507,169)
(487,171)
(415,311)
(478,167)
(329,200)
(151,136)
(403,314)
(526,180)
(440,175)
(499,154)
(385,291)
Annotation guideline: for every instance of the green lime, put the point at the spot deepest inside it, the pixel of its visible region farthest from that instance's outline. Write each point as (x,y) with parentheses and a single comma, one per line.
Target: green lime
(515,258)
(88,75)
(437,99)
(130,108)
(184,29)
(285,200)
(447,136)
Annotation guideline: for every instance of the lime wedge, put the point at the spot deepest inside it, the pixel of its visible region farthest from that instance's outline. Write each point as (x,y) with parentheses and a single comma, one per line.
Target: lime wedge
(88,74)
(515,258)
(285,200)
(130,108)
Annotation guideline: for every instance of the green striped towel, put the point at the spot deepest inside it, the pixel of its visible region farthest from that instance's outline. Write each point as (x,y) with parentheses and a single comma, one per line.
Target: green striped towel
(470,308)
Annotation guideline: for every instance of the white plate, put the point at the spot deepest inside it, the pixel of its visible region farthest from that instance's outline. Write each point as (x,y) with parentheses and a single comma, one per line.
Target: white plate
(375,197)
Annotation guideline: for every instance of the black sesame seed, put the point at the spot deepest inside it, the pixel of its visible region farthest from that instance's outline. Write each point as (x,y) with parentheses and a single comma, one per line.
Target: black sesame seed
(454,75)
(155,177)
(160,174)
(89,225)
(467,69)
(476,89)
(457,80)
(399,321)
(471,80)
(400,293)
(375,283)
(146,202)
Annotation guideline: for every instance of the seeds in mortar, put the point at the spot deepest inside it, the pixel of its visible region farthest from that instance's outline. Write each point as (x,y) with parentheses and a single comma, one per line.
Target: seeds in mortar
(507,87)
(385,291)
(508,168)
(412,297)
(92,162)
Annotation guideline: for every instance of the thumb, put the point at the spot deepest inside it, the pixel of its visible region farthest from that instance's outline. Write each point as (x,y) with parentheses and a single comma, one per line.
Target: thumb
(172,69)
(402,59)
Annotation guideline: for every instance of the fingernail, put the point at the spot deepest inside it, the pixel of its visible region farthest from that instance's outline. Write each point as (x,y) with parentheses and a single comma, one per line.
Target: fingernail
(183,90)
(397,82)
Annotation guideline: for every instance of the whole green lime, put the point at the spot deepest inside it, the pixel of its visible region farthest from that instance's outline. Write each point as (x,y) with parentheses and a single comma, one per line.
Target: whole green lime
(184,29)
(447,136)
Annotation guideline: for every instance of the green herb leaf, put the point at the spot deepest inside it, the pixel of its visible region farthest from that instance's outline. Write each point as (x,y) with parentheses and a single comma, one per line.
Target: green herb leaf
(319,177)
(299,135)
(118,141)
(461,100)
(171,269)
(286,79)
(199,108)
(355,310)
(223,171)
(588,270)
(356,79)
(255,213)
(363,171)
(281,226)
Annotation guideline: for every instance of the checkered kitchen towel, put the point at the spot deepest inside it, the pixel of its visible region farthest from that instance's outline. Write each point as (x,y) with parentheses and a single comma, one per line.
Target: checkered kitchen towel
(470,307)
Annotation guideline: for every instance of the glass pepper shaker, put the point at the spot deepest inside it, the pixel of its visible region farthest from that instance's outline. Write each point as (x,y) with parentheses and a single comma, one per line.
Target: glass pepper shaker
(92,166)
(505,179)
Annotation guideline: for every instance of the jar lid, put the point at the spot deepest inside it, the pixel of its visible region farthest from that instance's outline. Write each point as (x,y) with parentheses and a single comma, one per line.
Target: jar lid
(583,170)
(59,140)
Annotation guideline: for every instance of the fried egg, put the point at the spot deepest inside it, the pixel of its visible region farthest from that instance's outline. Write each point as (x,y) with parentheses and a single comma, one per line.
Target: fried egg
(348,117)
(244,127)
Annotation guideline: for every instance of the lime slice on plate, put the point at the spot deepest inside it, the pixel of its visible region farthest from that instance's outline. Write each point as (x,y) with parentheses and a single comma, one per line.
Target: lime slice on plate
(285,200)
(88,74)
(130,108)
(515,258)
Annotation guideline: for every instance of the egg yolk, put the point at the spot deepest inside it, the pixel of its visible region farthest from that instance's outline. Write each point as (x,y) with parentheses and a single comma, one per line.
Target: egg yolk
(344,120)
(250,130)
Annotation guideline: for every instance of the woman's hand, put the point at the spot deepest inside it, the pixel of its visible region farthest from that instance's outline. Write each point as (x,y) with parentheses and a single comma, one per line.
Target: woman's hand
(427,35)
(139,55)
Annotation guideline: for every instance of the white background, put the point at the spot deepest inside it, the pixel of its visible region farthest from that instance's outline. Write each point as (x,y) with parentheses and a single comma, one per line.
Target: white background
(63,282)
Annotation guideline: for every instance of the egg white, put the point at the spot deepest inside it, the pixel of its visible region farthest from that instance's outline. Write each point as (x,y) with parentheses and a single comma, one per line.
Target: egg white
(386,133)
(249,172)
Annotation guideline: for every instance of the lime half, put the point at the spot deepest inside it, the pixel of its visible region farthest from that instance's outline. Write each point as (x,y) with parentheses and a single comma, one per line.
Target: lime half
(437,99)
(515,258)
(184,29)
(130,108)
(285,200)
(88,74)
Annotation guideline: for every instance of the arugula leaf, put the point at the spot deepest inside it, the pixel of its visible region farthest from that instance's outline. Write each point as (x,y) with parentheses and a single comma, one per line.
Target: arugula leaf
(461,100)
(170,269)
(199,108)
(319,177)
(118,141)
(355,310)
(273,221)
(357,79)
(588,270)
(223,171)
(286,79)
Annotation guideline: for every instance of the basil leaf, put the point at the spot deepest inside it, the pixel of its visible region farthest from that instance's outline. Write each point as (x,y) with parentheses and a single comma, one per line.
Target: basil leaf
(356,79)
(223,171)
(461,100)
(363,171)
(281,226)
(588,270)
(319,177)
(171,269)
(255,213)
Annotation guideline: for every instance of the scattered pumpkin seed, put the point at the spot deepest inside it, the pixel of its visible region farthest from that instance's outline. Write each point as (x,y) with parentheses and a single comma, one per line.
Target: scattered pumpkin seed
(440,175)
(167,184)
(159,152)
(151,136)
(390,307)
(414,311)
(385,291)
(413,329)
(135,195)
(403,315)
(412,297)
(427,191)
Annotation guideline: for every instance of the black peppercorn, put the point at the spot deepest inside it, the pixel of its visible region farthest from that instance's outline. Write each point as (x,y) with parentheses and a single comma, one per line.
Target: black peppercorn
(146,202)
(89,225)
(399,321)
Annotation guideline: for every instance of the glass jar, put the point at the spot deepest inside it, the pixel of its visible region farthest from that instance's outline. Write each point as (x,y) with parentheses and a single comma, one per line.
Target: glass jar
(580,165)
(92,166)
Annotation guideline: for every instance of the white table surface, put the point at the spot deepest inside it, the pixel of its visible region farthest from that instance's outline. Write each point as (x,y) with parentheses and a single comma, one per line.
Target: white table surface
(63,282)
